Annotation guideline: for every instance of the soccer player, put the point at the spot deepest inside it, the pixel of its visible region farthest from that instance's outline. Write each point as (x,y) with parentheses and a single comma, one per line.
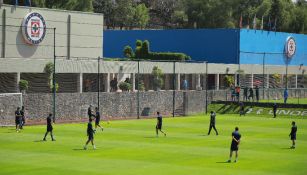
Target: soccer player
(90,134)
(245,93)
(90,113)
(49,128)
(236,136)
(97,119)
(285,95)
(18,119)
(212,123)
(257,93)
(23,118)
(251,94)
(159,124)
(292,135)
(274,109)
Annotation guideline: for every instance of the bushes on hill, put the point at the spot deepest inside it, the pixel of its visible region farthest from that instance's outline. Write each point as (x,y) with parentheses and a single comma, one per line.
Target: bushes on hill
(142,51)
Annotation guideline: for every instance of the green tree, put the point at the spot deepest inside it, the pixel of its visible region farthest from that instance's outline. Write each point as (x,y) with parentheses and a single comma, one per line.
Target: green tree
(145,49)
(138,49)
(108,9)
(124,86)
(124,13)
(23,85)
(157,78)
(229,80)
(141,16)
(281,11)
(49,71)
(128,52)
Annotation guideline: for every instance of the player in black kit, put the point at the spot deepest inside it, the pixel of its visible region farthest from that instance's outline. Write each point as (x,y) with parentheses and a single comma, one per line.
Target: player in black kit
(97,119)
(159,124)
(212,123)
(49,128)
(236,136)
(18,119)
(90,133)
(292,135)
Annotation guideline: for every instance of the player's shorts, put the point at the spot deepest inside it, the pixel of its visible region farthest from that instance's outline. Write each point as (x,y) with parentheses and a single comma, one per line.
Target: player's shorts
(91,136)
(49,128)
(159,126)
(97,122)
(293,137)
(17,122)
(234,147)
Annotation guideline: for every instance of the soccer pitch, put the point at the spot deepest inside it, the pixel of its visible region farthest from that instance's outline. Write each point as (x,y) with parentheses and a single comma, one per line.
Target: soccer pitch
(131,147)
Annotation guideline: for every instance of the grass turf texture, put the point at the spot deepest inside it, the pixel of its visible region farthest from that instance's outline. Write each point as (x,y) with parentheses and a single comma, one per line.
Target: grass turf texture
(130,147)
(289,101)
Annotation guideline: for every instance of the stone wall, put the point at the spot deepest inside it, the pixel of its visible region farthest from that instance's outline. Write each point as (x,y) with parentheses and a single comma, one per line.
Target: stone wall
(116,105)
(73,106)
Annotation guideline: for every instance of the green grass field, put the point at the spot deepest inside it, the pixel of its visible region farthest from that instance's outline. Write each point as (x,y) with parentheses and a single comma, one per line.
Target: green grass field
(130,147)
(289,101)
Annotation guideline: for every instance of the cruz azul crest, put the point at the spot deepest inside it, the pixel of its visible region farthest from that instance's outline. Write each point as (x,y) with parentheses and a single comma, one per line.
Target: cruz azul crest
(290,47)
(33,28)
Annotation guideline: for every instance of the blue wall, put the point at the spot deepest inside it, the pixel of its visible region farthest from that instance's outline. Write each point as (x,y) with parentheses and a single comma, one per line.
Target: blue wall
(273,43)
(213,45)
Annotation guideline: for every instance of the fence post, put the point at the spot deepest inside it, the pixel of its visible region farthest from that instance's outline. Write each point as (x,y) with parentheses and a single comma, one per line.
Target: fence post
(138,92)
(263,63)
(206,87)
(174,88)
(98,85)
(53,76)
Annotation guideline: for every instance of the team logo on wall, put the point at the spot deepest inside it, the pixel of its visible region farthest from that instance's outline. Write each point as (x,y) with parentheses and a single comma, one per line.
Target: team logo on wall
(290,47)
(34,28)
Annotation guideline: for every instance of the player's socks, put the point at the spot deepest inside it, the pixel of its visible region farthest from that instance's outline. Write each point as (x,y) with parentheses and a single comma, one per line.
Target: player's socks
(94,146)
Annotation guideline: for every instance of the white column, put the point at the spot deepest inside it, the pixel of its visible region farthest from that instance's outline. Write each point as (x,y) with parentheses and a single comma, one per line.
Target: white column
(268,81)
(252,80)
(177,81)
(236,80)
(80,82)
(198,85)
(217,81)
(132,79)
(296,81)
(17,81)
(193,87)
(107,82)
(167,82)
